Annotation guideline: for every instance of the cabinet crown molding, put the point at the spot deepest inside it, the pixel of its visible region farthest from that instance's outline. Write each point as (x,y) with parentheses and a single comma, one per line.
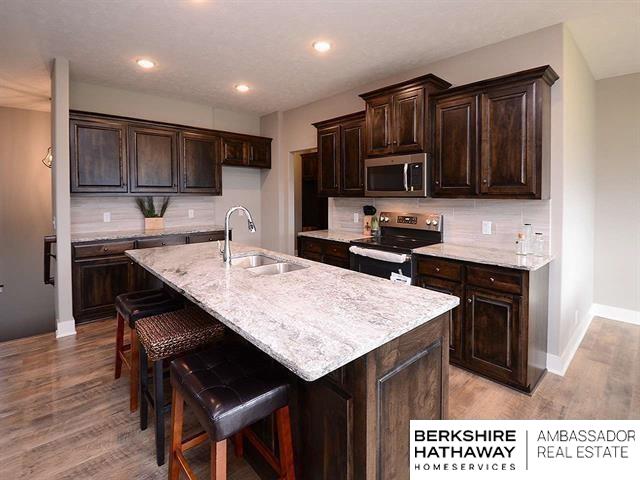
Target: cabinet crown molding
(437,82)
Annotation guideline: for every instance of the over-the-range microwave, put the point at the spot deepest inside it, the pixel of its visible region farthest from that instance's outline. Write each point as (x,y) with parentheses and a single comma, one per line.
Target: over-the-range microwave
(397,176)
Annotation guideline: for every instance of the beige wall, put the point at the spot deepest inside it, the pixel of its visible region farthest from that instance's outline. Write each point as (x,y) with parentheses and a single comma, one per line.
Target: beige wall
(239,185)
(26,304)
(617,242)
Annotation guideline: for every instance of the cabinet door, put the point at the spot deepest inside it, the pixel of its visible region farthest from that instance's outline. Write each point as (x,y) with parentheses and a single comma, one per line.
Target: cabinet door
(233,151)
(96,284)
(200,166)
(508,141)
(494,343)
(153,160)
(329,161)
(408,121)
(378,131)
(258,153)
(352,138)
(456,342)
(455,148)
(309,165)
(98,156)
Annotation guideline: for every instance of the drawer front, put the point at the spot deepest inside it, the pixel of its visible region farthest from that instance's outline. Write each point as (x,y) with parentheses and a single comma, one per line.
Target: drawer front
(162,241)
(437,267)
(311,246)
(102,249)
(206,237)
(316,257)
(338,250)
(336,261)
(495,279)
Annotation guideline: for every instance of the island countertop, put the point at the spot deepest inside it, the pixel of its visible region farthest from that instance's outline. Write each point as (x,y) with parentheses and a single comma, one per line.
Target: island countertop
(313,320)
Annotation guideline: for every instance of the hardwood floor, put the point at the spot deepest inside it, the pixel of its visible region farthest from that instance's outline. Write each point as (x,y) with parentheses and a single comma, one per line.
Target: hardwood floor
(63,416)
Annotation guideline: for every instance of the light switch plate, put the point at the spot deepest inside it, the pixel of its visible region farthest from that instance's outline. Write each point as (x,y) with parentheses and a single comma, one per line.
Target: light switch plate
(106,217)
(191,213)
(356,217)
(487,227)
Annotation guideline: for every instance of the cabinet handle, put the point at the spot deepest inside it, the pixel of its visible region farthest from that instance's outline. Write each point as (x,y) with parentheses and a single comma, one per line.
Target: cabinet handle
(484,181)
(468,300)
(105,249)
(437,182)
(437,269)
(491,279)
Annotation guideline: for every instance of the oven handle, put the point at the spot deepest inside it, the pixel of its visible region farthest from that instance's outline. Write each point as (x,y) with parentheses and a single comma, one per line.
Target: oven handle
(406,177)
(380,255)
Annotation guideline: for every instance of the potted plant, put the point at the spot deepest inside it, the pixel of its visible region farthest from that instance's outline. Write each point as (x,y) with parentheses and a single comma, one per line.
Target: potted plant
(153,220)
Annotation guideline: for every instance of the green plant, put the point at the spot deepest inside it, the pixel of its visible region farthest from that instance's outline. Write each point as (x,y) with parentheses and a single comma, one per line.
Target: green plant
(148,208)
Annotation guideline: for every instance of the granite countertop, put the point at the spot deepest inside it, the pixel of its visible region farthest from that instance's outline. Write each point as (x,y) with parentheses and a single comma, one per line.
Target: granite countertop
(490,256)
(334,235)
(141,232)
(313,321)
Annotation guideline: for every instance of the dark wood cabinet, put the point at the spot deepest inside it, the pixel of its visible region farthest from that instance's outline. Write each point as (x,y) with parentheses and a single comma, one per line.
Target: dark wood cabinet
(200,163)
(153,160)
(455,146)
(398,117)
(500,328)
(492,138)
(97,149)
(113,155)
(341,156)
(314,206)
(325,251)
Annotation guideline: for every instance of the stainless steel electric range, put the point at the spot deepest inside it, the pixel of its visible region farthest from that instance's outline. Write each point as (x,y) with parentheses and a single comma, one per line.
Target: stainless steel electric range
(390,252)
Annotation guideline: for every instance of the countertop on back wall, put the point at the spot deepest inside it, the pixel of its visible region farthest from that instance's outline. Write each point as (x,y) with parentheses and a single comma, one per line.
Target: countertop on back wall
(334,235)
(141,233)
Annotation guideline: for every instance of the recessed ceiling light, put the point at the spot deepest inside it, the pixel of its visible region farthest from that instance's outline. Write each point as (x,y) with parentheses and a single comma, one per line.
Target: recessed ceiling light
(242,88)
(145,63)
(322,46)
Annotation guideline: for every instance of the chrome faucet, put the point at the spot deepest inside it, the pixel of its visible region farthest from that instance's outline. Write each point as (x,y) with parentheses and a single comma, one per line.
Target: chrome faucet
(226,253)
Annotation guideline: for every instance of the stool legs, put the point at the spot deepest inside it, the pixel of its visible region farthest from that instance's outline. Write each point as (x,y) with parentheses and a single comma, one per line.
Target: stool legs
(219,460)
(134,374)
(177,416)
(283,424)
(119,344)
(143,387)
(158,409)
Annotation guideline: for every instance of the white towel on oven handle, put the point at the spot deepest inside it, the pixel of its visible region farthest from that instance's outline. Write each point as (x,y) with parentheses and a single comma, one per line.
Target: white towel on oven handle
(379,254)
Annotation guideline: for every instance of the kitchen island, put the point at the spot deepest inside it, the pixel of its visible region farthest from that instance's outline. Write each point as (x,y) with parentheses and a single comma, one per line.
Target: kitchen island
(366,355)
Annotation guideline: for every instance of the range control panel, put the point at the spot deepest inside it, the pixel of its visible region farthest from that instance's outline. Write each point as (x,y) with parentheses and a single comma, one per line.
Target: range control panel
(419,221)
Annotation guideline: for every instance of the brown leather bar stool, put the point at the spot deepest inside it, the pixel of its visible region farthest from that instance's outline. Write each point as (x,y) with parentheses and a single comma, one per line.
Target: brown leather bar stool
(130,308)
(163,337)
(229,386)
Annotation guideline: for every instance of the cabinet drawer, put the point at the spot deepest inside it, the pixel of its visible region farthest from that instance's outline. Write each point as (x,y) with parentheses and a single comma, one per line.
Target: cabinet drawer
(494,279)
(311,246)
(316,257)
(162,241)
(102,249)
(336,261)
(439,268)
(206,237)
(338,250)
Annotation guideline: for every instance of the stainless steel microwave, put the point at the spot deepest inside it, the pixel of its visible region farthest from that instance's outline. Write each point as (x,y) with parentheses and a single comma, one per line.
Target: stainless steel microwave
(397,176)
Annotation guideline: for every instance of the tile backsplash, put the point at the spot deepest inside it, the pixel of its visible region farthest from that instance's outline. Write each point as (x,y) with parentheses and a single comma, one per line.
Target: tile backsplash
(462,217)
(87,213)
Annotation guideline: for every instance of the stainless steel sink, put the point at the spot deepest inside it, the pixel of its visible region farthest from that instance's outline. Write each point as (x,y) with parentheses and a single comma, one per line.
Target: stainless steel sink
(275,268)
(251,261)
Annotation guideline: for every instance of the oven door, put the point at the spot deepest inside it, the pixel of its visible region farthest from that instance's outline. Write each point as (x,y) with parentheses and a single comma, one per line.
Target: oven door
(377,267)
(401,176)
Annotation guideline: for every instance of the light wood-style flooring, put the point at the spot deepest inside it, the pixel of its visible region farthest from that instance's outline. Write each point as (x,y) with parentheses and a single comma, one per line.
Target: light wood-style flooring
(63,416)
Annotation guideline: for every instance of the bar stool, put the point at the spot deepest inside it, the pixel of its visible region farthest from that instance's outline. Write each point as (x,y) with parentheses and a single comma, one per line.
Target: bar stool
(163,337)
(130,308)
(229,386)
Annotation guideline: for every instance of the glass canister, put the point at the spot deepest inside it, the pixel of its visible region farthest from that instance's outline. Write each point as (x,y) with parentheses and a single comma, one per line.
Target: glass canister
(528,238)
(538,244)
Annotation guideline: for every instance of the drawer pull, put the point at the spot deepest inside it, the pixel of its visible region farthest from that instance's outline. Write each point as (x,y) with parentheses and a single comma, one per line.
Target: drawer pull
(491,279)
(105,249)
(468,300)
(437,269)
(163,244)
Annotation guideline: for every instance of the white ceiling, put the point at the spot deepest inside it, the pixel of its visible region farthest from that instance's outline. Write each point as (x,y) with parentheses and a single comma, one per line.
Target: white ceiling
(205,47)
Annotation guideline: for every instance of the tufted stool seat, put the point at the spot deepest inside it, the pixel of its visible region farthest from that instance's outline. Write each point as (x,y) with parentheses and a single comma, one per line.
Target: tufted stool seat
(230,386)
(162,337)
(131,307)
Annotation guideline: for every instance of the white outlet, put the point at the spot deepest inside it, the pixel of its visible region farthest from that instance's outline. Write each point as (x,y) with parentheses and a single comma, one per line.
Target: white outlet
(487,227)
(106,217)
(191,213)
(356,217)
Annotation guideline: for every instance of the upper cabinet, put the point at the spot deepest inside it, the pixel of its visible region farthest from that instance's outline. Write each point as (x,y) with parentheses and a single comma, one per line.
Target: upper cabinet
(98,155)
(397,117)
(341,155)
(124,156)
(492,137)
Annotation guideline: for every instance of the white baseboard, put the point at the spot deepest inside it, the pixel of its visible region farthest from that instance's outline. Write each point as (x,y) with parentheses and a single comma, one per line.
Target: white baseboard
(66,328)
(616,313)
(559,364)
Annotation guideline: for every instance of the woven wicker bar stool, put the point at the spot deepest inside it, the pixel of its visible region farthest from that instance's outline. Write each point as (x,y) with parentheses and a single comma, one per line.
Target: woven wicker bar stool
(163,337)
(130,308)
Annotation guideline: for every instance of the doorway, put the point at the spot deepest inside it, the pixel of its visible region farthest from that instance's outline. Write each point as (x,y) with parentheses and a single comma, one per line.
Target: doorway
(311,210)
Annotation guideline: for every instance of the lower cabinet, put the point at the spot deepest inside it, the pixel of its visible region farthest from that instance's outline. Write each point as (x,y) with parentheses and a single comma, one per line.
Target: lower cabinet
(101,271)
(500,328)
(325,251)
